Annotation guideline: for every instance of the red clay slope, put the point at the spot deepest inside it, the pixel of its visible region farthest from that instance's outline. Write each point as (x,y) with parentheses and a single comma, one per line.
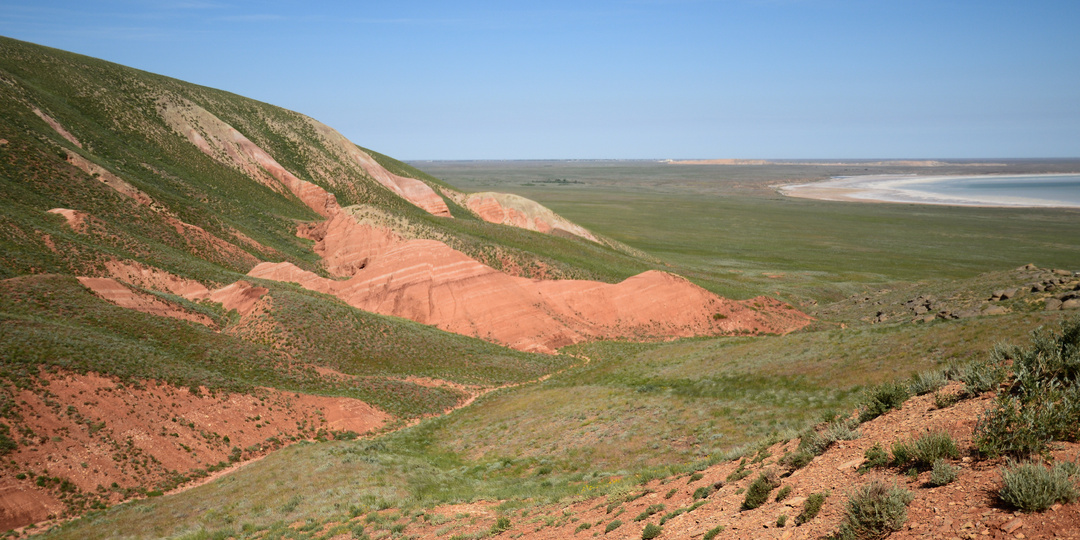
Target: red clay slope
(428,282)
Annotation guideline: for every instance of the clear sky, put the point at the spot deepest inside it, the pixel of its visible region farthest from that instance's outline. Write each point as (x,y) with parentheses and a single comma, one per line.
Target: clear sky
(661,79)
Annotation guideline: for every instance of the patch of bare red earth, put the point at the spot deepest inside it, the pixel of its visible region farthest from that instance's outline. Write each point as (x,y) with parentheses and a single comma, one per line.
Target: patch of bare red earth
(965,509)
(93,430)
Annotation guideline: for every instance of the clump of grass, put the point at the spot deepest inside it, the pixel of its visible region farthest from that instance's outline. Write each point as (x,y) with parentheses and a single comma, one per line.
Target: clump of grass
(695,477)
(925,450)
(739,473)
(874,511)
(944,400)
(983,376)
(615,524)
(781,520)
(759,490)
(882,399)
(876,457)
(652,509)
(811,507)
(783,493)
(1032,487)
(713,532)
(812,443)
(502,524)
(703,492)
(651,531)
(943,473)
(671,493)
(926,382)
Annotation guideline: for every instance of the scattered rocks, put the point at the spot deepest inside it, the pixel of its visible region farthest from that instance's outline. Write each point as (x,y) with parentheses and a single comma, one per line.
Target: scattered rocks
(1012,525)
(1003,294)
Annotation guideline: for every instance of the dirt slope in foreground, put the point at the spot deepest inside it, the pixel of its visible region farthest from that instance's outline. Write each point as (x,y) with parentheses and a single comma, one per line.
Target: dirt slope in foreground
(88,440)
(966,508)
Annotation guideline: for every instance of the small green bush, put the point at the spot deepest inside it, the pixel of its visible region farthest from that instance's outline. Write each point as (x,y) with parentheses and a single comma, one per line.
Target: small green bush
(874,511)
(876,456)
(652,509)
(925,450)
(671,493)
(582,526)
(695,477)
(902,453)
(612,526)
(759,490)
(926,382)
(739,473)
(983,376)
(651,531)
(672,515)
(943,473)
(944,400)
(1032,487)
(882,399)
(811,507)
(502,524)
(1043,402)
(783,493)
(781,520)
(713,532)
(703,492)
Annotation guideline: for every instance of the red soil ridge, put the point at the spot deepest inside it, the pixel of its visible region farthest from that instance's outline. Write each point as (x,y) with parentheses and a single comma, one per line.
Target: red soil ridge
(428,282)
(134,434)
(117,293)
(516,211)
(410,189)
(228,146)
(75,219)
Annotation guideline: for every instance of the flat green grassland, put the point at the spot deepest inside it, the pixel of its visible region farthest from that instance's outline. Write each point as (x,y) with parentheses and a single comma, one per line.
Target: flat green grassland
(635,411)
(726,227)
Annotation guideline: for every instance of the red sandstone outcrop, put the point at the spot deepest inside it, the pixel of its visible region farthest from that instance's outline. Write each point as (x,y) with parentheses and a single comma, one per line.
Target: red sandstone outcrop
(75,219)
(410,189)
(148,277)
(517,211)
(429,282)
(229,147)
(117,293)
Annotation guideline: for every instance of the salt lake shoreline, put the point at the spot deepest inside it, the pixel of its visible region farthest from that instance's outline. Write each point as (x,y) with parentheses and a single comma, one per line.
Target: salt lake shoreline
(893,188)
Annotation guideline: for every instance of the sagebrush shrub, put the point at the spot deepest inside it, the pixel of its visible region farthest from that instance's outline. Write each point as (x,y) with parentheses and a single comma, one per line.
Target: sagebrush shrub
(712,533)
(943,473)
(651,531)
(882,399)
(612,526)
(1032,487)
(874,511)
(759,490)
(926,382)
(876,456)
(1043,402)
(811,507)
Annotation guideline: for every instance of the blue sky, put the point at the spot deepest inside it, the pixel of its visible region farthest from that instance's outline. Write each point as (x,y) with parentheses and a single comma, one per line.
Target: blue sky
(618,78)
